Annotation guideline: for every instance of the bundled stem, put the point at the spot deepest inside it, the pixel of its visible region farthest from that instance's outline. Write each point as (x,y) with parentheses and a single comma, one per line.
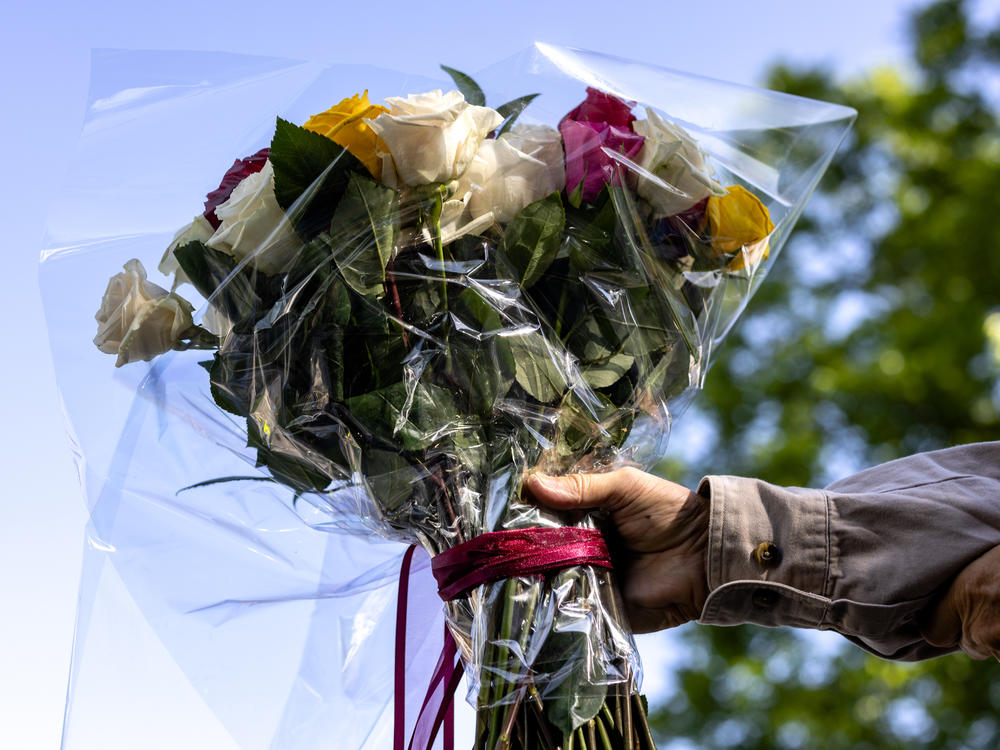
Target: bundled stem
(512,714)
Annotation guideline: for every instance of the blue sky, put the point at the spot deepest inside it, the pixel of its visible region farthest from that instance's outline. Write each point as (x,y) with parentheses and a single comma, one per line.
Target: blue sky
(45,48)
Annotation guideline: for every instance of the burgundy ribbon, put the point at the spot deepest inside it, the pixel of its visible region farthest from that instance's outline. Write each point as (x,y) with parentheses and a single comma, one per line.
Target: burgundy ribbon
(438,707)
(399,688)
(516,552)
(488,557)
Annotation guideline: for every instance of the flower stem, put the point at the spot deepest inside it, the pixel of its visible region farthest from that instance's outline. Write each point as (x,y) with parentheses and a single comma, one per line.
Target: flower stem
(436,207)
(390,285)
(619,725)
(628,730)
(507,731)
(605,740)
(645,736)
(196,337)
(503,656)
(543,723)
(560,311)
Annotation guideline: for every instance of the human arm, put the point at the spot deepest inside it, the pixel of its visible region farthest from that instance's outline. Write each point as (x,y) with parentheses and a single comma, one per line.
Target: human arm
(865,556)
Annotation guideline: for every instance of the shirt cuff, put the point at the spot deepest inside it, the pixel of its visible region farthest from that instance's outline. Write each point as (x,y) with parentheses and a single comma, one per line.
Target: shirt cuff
(769,554)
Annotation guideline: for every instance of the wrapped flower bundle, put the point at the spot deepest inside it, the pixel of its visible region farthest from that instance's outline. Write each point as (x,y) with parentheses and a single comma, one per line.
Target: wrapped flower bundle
(409,306)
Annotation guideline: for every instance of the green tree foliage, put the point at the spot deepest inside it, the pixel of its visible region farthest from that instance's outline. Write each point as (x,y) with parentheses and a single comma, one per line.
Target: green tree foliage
(877,335)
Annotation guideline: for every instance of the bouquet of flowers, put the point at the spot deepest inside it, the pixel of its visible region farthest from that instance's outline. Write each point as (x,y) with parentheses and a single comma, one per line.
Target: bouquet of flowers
(406,308)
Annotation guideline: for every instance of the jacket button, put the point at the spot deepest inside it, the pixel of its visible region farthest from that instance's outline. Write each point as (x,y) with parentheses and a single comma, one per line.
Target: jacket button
(764,598)
(767,554)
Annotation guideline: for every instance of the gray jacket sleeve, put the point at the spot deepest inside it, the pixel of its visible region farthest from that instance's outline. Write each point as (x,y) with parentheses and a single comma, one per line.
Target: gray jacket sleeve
(862,557)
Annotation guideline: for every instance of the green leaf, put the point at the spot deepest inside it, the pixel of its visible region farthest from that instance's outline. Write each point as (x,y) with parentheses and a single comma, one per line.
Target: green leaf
(481,366)
(605,373)
(648,325)
(577,707)
(373,347)
(536,369)
(229,383)
(250,357)
(311,173)
(479,309)
(575,197)
(512,110)
(589,425)
(221,480)
(471,452)
(206,267)
(413,424)
(363,233)
(286,468)
(570,652)
(532,238)
(602,359)
(391,478)
(483,372)
(658,274)
(592,236)
(210,269)
(338,303)
(469,88)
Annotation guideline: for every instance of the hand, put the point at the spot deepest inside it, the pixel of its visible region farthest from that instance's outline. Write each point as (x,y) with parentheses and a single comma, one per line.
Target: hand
(664,529)
(968,615)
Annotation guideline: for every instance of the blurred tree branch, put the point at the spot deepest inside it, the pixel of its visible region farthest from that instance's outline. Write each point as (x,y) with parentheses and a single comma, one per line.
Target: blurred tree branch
(876,335)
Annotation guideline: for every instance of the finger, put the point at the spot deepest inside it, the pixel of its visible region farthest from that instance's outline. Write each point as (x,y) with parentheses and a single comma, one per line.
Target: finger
(608,491)
(980,638)
(944,626)
(974,650)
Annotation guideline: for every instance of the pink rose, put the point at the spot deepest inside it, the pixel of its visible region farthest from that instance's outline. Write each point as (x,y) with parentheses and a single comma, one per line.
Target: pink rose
(602,107)
(600,126)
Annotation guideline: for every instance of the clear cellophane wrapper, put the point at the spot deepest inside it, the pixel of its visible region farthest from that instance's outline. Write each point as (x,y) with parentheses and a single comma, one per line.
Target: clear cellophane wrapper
(383,343)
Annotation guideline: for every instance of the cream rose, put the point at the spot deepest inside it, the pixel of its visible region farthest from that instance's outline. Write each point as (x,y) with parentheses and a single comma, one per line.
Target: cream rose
(670,154)
(138,319)
(502,180)
(456,220)
(430,138)
(254,226)
(199,230)
(543,143)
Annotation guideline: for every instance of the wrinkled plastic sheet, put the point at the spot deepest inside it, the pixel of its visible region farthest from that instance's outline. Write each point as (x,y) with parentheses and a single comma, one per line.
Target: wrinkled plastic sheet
(230,600)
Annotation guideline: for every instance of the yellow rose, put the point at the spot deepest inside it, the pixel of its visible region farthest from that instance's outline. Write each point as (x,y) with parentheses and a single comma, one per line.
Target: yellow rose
(346,123)
(739,221)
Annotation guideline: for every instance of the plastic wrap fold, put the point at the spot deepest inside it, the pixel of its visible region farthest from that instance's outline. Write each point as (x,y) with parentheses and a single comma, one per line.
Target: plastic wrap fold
(388,312)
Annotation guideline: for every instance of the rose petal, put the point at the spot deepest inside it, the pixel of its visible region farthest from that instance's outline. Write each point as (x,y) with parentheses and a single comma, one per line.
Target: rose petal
(600,106)
(241,169)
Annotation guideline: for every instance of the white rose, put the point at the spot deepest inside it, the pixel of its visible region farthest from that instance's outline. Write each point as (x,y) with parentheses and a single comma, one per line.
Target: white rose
(681,175)
(502,179)
(456,221)
(429,138)
(138,319)
(254,226)
(199,230)
(542,142)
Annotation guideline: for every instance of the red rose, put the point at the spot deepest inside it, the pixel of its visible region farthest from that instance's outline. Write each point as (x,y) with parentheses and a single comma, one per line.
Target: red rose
(241,169)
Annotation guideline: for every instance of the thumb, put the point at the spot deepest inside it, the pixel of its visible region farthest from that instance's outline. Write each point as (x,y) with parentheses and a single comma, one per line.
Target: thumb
(943,628)
(609,491)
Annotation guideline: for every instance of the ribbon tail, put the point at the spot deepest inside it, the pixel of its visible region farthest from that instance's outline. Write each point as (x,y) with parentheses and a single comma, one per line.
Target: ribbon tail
(438,706)
(399,687)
